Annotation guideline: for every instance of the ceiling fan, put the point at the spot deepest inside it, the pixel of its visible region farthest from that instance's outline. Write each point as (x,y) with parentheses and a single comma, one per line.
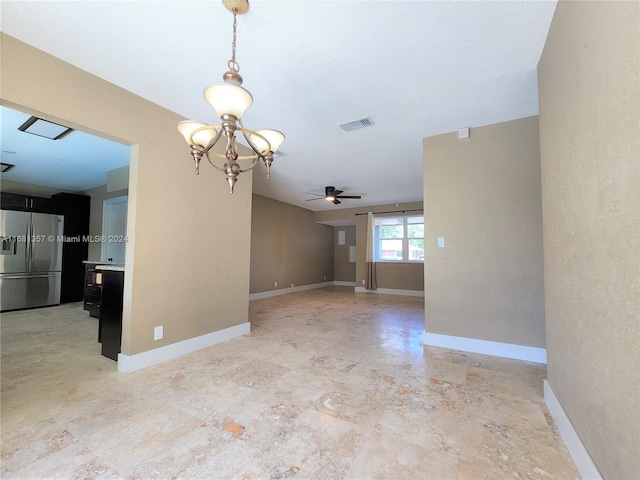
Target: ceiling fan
(332,195)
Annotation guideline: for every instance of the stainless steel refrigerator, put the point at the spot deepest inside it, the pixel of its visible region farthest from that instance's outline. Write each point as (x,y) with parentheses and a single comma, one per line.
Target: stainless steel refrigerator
(30,259)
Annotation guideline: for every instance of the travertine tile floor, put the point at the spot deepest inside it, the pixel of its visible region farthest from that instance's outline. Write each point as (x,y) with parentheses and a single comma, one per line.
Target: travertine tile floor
(329,385)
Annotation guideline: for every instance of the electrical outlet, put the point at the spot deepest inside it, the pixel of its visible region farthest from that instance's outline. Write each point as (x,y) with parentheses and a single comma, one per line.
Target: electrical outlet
(275,284)
(158,332)
(324,277)
(363,282)
(292,285)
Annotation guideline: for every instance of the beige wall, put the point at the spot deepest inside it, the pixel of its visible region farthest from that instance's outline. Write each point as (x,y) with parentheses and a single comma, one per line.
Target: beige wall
(343,270)
(482,194)
(590,149)
(287,246)
(189,239)
(98,196)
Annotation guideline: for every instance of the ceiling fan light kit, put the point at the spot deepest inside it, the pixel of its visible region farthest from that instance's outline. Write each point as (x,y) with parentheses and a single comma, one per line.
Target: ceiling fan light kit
(333,195)
(230,100)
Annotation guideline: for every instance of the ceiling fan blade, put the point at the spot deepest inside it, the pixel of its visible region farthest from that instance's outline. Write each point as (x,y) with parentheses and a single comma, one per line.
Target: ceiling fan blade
(310,199)
(312,193)
(350,196)
(337,202)
(337,192)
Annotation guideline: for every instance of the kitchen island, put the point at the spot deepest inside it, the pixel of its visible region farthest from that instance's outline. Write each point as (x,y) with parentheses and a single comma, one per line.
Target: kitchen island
(92,286)
(110,325)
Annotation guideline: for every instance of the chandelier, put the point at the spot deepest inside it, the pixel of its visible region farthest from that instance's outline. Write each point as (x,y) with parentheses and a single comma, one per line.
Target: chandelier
(229,100)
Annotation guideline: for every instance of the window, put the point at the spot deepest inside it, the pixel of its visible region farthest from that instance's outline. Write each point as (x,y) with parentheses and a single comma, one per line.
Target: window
(399,239)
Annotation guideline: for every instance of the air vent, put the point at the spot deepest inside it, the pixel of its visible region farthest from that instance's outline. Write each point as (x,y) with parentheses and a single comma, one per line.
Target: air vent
(356,124)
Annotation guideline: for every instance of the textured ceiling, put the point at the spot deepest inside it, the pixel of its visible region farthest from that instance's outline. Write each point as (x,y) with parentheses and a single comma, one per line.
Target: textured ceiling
(416,68)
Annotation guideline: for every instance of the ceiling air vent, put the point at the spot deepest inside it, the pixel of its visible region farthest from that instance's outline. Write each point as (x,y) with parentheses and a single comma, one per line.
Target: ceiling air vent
(356,124)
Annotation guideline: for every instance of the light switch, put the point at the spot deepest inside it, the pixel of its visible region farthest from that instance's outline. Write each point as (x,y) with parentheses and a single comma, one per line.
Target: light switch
(440,242)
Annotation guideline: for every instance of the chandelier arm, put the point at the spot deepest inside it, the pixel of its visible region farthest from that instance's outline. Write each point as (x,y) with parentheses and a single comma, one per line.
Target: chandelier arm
(211,162)
(214,140)
(255,162)
(245,132)
(246,137)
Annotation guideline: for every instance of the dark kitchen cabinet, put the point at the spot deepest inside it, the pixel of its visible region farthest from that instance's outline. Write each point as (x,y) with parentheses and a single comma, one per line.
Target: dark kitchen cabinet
(75,248)
(111,313)
(92,291)
(27,203)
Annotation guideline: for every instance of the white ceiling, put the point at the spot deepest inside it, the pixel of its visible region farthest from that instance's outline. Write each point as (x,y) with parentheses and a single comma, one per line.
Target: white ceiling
(416,68)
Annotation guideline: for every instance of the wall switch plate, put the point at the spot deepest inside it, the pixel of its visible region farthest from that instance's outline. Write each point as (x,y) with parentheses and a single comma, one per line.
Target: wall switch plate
(292,285)
(440,242)
(275,284)
(363,282)
(324,277)
(158,332)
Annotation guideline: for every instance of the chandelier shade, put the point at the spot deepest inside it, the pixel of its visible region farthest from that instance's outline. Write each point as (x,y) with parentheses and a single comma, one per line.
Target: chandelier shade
(273,140)
(228,99)
(200,138)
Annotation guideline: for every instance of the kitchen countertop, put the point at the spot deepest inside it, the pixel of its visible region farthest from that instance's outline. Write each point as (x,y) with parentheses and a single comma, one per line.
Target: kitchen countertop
(115,267)
(98,262)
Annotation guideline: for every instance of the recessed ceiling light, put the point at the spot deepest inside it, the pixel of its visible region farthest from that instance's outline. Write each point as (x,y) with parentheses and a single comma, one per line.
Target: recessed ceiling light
(44,128)
(5,167)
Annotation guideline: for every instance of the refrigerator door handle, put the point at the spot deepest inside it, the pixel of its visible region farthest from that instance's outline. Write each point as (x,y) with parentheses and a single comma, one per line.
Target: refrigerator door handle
(27,243)
(31,240)
(5,276)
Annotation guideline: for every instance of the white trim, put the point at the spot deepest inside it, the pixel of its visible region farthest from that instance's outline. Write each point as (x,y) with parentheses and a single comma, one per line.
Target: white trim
(579,454)
(498,349)
(283,291)
(132,363)
(383,291)
(392,291)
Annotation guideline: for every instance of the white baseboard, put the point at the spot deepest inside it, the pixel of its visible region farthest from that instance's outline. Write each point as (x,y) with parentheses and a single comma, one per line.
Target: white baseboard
(284,291)
(507,350)
(340,283)
(132,363)
(383,291)
(579,454)
(392,291)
